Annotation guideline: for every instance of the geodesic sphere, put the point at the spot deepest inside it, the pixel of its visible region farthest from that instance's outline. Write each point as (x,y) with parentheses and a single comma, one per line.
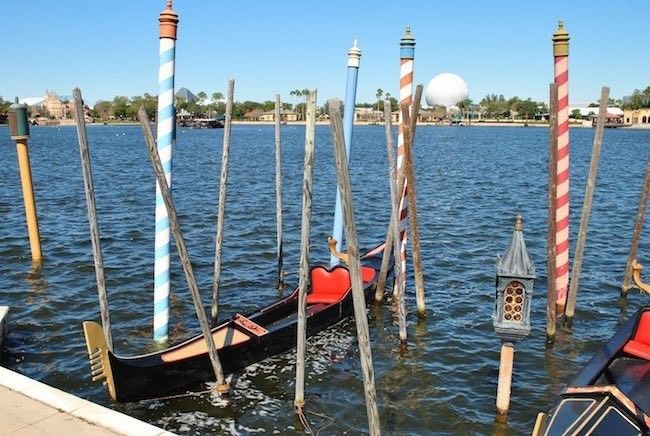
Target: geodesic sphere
(446,89)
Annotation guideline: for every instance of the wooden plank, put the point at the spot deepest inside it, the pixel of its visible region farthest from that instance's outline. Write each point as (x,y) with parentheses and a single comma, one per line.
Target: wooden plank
(586,208)
(92,215)
(222,387)
(354,266)
(303,283)
(221,211)
(278,189)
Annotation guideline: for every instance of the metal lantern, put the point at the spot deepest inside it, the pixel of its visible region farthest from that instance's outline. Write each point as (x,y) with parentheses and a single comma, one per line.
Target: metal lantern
(18,121)
(514,289)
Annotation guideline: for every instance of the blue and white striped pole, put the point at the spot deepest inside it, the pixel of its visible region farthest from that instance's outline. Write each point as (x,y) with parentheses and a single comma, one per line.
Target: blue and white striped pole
(354,59)
(165,132)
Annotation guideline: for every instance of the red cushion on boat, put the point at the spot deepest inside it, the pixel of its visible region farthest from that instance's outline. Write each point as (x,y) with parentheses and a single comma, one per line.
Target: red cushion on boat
(639,346)
(367,273)
(642,333)
(331,286)
(637,349)
(328,286)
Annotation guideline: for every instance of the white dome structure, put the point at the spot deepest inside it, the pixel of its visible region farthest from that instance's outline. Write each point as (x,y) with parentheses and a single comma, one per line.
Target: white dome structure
(446,89)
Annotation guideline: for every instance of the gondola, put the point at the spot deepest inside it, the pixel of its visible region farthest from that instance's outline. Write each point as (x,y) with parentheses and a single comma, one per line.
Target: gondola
(611,394)
(241,341)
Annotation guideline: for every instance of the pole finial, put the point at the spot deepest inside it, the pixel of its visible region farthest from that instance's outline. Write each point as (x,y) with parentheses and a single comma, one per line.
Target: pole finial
(354,54)
(560,40)
(168,22)
(519,223)
(16,100)
(407,44)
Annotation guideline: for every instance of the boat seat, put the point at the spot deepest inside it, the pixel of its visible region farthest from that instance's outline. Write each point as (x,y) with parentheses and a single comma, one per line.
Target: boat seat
(330,286)
(249,326)
(639,345)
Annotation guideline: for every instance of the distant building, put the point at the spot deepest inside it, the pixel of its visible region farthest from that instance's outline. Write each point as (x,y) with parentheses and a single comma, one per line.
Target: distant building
(285,115)
(367,114)
(590,112)
(186,95)
(638,116)
(254,115)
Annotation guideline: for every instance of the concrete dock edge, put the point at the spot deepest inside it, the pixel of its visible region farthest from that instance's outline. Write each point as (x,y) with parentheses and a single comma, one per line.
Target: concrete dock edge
(72,406)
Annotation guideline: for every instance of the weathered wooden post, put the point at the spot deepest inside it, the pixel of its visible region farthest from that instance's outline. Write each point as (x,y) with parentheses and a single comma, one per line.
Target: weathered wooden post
(412,205)
(561,58)
(278,188)
(221,212)
(165,135)
(511,319)
(551,287)
(383,270)
(638,227)
(19,132)
(586,208)
(92,215)
(222,386)
(303,283)
(354,60)
(359,300)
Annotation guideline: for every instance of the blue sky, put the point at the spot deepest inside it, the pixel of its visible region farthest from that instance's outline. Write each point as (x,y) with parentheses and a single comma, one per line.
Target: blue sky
(110,48)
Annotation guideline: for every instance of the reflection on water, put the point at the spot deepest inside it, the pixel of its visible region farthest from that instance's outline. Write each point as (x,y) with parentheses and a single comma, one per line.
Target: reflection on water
(471,182)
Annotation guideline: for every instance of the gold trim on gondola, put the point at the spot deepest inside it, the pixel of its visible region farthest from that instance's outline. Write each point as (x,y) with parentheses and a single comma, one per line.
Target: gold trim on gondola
(100,365)
(331,242)
(637,268)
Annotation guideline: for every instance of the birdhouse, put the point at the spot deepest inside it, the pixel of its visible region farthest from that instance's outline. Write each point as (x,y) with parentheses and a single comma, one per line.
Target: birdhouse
(514,289)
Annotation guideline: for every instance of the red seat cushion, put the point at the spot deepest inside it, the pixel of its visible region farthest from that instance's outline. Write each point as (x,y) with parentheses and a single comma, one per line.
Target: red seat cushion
(639,346)
(331,286)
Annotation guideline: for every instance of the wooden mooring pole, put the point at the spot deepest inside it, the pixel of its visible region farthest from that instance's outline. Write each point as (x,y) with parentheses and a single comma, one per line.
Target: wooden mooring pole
(385,260)
(551,288)
(586,209)
(92,215)
(278,189)
(359,300)
(221,212)
(504,386)
(222,386)
(303,283)
(636,235)
(412,201)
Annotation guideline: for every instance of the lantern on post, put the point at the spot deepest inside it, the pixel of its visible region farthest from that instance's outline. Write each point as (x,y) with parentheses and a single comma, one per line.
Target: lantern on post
(511,319)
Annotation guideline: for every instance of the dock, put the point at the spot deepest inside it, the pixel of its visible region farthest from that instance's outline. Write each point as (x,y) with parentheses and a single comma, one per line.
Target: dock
(29,407)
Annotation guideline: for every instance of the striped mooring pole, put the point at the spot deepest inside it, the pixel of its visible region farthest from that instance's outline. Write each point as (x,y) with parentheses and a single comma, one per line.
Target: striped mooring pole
(407,54)
(354,59)
(561,57)
(165,128)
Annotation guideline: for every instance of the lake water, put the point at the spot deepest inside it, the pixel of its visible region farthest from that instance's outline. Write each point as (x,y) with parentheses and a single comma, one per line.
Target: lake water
(470,184)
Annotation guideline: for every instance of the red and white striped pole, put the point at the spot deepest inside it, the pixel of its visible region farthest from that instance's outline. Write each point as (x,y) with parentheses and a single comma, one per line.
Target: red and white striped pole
(561,57)
(407,53)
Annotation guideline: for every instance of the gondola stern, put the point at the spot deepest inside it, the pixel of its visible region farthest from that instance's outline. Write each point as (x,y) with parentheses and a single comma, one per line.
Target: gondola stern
(100,365)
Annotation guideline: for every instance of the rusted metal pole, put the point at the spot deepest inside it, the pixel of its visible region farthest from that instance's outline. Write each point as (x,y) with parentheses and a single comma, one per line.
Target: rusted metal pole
(383,270)
(359,300)
(222,386)
(303,283)
(278,189)
(412,199)
(551,288)
(586,209)
(92,215)
(221,212)
(638,227)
